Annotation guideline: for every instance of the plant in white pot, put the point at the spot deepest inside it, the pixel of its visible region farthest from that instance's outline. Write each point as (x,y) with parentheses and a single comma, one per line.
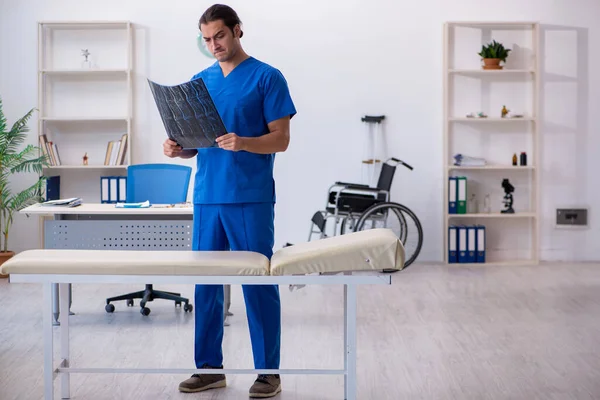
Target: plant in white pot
(493,54)
(14,159)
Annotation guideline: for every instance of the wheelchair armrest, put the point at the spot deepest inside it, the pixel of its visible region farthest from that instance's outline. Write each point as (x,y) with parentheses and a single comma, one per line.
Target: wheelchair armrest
(353,185)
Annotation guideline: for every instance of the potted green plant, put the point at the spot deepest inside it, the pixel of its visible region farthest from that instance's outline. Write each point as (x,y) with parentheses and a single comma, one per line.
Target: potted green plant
(15,159)
(492,54)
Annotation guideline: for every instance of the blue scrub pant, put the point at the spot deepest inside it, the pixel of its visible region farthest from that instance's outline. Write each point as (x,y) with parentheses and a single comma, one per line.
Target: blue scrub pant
(236,227)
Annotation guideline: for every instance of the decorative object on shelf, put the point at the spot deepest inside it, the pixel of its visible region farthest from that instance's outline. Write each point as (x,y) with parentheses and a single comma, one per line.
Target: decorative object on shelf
(86,64)
(472,206)
(514,159)
(492,54)
(508,197)
(504,112)
(487,204)
(15,161)
(85,159)
(523,158)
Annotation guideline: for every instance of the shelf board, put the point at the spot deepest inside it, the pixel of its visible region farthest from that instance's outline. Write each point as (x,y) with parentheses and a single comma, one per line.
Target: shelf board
(494,215)
(492,119)
(492,167)
(92,71)
(491,71)
(86,167)
(84,119)
(86,24)
(493,24)
(498,263)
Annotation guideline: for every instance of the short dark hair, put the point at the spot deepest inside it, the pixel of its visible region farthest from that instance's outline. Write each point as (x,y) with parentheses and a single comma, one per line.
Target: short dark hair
(221,12)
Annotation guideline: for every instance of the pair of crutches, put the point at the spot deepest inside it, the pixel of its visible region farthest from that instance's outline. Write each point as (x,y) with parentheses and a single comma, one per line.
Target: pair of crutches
(371,159)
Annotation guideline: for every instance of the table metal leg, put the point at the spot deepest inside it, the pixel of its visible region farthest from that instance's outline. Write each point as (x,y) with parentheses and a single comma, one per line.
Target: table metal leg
(48,342)
(350,341)
(65,295)
(55,304)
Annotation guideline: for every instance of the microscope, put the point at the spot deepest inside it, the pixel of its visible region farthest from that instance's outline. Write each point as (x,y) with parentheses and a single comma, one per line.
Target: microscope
(508,197)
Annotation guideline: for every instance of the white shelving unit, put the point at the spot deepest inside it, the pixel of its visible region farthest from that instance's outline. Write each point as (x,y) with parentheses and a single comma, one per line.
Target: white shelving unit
(84,106)
(511,239)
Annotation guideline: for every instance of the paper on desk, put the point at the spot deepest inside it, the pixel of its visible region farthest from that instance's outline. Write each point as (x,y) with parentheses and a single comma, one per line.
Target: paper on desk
(145,204)
(72,202)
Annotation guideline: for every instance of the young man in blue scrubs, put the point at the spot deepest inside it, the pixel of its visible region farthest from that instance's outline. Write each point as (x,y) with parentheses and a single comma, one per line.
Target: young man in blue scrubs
(234,194)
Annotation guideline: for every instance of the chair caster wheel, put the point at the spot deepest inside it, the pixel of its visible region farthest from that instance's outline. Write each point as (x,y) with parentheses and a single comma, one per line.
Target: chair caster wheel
(188,308)
(109,308)
(145,311)
(130,303)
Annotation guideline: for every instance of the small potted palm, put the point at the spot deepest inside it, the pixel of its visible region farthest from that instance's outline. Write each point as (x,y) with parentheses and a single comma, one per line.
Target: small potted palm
(493,54)
(16,159)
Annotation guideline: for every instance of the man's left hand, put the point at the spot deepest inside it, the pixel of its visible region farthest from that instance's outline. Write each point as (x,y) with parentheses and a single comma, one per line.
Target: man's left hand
(231,141)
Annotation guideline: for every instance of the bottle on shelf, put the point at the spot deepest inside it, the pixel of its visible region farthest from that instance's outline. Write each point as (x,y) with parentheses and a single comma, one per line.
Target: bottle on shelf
(472,207)
(487,204)
(523,158)
(514,160)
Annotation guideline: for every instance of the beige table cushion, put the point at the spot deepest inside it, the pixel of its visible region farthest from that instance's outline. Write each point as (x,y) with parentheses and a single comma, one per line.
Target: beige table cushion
(373,249)
(134,262)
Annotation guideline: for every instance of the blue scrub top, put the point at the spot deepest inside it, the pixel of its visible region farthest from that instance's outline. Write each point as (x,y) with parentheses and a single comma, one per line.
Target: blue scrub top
(251,96)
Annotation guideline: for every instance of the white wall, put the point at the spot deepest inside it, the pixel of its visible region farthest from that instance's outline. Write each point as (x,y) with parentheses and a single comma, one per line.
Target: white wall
(356,59)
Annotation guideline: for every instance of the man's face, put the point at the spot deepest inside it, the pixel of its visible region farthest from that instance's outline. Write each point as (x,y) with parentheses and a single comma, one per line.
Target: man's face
(219,39)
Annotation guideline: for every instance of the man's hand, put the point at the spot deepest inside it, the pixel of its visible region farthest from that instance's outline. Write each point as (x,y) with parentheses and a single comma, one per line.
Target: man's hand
(231,141)
(172,150)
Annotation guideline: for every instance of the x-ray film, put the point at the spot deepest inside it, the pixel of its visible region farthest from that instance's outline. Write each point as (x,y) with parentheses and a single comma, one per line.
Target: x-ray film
(188,113)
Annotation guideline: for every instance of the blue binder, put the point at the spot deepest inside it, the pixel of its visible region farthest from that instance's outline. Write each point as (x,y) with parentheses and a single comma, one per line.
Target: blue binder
(112,189)
(452,195)
(104,190)
(452,244)
(122,185)
(53,188)
(462,244)
(471,244)
(480,254)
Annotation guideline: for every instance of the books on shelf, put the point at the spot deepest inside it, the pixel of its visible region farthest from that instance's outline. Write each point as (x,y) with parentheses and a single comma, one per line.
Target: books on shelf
(115,151)
(50,150)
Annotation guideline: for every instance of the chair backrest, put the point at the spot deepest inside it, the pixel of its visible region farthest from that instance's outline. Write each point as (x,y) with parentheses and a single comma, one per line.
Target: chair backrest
(158,183)
(386,177)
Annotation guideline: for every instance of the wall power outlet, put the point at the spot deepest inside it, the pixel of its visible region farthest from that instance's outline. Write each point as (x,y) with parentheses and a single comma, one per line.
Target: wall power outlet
(572,217)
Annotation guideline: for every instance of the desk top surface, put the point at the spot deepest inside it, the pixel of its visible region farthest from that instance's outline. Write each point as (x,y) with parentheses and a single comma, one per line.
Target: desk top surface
(99,208)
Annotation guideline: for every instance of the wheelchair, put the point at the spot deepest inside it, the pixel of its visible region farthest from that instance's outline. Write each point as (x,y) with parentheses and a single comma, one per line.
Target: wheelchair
(354,207)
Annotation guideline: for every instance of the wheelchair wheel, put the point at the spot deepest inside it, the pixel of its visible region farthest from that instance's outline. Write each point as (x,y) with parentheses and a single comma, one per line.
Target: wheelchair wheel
(399,219)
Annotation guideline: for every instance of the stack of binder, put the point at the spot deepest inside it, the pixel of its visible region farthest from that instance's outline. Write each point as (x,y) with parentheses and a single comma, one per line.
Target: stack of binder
(457,195)
(113,189)
(466,244)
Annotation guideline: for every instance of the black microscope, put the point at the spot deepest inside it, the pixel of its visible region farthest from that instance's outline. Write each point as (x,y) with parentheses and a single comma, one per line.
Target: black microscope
(508,197)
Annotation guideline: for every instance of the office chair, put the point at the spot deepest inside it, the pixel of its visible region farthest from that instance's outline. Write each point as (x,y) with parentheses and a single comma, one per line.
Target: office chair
(159,184)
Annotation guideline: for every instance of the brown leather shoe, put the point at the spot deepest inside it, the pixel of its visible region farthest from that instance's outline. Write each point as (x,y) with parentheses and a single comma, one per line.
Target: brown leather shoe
(265,386)
(202,382)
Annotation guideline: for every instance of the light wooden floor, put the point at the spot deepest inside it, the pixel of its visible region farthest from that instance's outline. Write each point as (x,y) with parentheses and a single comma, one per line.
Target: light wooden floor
(437,333)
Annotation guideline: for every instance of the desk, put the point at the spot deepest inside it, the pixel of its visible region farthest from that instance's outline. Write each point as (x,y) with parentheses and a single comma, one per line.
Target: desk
(104,226)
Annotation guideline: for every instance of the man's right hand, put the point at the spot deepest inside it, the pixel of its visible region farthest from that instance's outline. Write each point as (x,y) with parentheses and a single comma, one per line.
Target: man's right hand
(172,149)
